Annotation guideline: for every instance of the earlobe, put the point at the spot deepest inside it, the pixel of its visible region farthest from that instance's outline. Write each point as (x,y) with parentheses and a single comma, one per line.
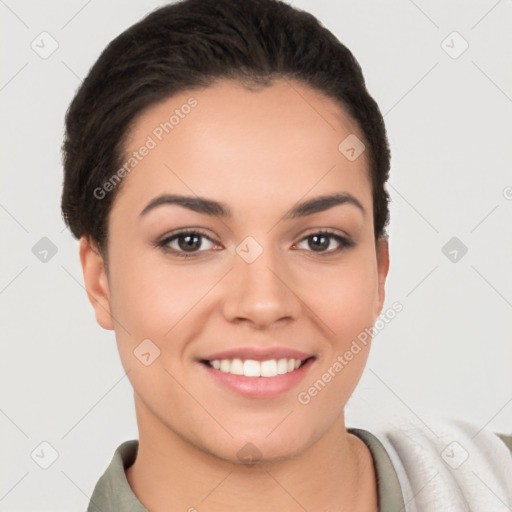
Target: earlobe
(96,282)
(382,272)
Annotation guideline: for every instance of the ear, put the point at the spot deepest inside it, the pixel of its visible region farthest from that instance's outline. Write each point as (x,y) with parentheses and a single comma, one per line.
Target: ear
(382,250)
(96,282)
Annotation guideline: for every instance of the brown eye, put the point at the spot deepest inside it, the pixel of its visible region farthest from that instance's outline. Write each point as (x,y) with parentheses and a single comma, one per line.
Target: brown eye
(185,243)
(321,241)
(189,242)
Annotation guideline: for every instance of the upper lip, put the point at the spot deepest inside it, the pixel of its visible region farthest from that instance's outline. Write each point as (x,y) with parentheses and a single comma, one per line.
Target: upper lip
(259,354)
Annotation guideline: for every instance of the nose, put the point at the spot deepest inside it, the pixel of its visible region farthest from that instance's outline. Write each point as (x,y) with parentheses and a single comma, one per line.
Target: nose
(262,292)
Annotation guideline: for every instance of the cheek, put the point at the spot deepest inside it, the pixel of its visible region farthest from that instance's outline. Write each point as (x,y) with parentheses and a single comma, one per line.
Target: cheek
(345,312)
(153,298)
(163,303)
(344,299)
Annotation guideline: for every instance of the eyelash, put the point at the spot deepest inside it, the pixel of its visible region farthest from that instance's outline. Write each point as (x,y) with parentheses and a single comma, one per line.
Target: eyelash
(163,244)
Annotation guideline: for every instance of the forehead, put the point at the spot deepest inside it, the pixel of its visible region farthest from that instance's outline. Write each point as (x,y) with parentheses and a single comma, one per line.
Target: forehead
(233,143)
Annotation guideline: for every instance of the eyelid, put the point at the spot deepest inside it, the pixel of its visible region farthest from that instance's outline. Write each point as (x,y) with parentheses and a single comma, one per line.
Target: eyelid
(330,231)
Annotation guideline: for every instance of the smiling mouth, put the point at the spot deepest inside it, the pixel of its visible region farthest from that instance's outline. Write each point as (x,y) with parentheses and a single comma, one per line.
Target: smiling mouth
(253,368)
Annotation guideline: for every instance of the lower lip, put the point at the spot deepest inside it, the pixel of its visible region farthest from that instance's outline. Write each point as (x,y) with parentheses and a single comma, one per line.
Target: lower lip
(259,387)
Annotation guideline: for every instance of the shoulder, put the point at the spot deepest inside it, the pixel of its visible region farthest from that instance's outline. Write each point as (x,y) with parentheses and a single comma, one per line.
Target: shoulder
(112,491)
(449,464)
(506,438)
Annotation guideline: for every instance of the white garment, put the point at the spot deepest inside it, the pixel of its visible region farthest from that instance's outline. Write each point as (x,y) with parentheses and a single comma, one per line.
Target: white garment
(449,465)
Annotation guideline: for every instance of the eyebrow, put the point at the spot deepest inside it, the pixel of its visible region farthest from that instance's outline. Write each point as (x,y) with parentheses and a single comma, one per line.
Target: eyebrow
(218,209)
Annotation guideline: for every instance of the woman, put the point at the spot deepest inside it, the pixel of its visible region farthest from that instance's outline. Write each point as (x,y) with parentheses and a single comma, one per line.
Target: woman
(225,172)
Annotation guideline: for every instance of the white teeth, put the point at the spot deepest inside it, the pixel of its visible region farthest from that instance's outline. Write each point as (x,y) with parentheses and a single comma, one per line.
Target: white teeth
(282,366)
(237,367)
(269,368)
(252,368)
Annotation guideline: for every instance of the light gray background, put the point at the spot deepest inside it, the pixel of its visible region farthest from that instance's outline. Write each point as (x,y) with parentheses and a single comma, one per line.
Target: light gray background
(448,353)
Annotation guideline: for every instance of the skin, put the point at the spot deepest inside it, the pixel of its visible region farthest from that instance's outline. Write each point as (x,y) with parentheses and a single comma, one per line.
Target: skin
(260,152)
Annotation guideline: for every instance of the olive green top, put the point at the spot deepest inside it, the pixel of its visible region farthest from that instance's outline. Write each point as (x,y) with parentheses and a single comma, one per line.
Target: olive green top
(113,493)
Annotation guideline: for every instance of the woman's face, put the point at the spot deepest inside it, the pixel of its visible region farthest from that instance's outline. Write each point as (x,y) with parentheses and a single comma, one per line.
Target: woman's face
(261,283)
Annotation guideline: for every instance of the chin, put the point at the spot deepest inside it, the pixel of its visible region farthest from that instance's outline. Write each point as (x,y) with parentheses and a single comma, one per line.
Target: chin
(257,450)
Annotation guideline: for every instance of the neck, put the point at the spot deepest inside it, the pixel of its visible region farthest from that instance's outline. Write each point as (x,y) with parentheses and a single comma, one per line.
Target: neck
(336,473)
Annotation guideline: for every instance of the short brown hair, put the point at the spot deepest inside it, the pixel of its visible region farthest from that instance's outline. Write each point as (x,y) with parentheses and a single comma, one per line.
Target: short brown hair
(190,44)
